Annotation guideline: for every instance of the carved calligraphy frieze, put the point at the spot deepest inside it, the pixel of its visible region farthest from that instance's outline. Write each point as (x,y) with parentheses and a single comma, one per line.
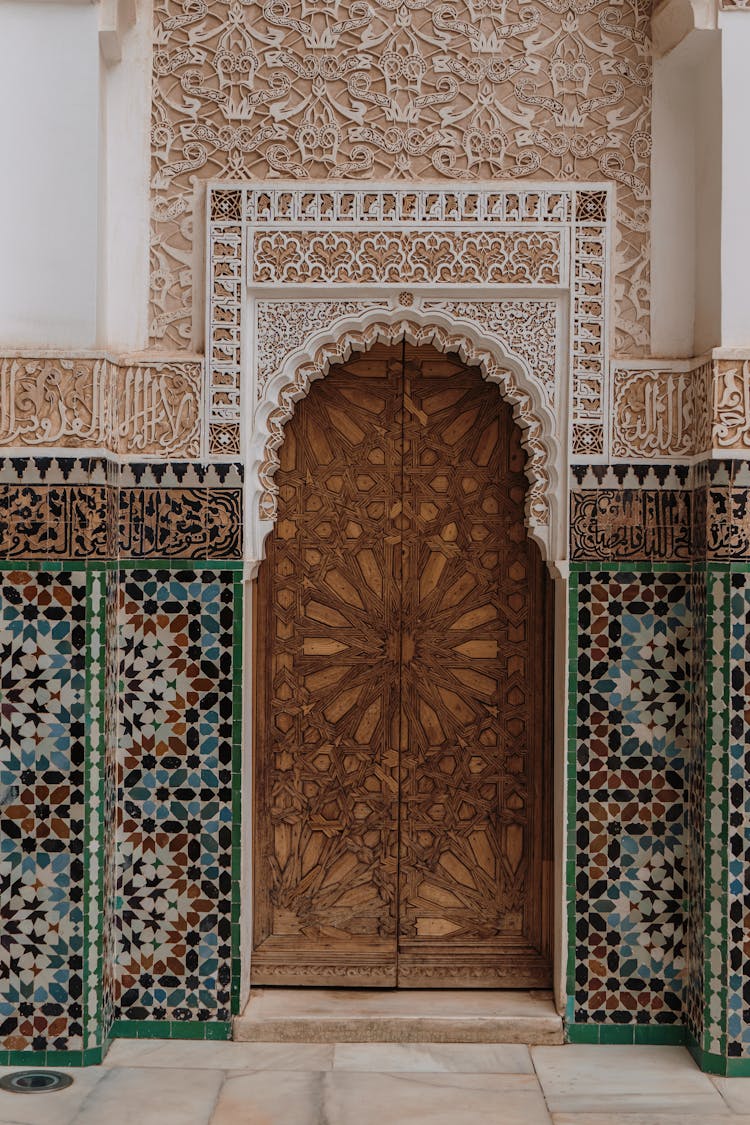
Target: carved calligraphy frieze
(645,524)
(661,414)
(54,402)
(413,92)
(683,411)
(158,409)
(731,421)
(151,408)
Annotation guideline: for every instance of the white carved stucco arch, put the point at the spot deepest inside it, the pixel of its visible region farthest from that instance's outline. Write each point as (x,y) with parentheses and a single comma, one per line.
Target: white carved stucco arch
(539,423)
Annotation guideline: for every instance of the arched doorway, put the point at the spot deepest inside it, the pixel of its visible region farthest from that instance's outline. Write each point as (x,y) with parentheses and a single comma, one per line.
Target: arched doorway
(402,795)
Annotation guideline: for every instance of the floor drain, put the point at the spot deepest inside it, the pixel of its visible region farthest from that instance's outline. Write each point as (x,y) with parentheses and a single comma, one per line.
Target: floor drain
(35,1081)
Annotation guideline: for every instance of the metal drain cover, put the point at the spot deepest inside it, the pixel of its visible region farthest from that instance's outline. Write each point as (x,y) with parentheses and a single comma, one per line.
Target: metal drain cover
(35,1081)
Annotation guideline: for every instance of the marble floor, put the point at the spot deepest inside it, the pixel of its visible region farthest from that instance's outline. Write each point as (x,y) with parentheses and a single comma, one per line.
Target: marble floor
(183,1083)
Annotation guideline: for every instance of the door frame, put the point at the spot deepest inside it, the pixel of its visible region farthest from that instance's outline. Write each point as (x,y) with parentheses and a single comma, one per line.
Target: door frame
(393,330)
(506,311)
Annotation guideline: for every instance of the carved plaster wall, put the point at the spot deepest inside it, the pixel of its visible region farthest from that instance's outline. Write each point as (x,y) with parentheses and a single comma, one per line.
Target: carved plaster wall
(149,407)
(519,265)
(517,281)
(552,90)
(681,410)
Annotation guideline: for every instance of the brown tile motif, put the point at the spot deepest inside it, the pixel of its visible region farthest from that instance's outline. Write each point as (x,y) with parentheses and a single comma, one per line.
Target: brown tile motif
(183,523)
(152,407)
(727,522)
(645,524)
(661,511)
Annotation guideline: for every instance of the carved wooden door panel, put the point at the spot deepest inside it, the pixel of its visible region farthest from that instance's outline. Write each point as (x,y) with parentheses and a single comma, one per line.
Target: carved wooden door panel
(474,889)
(401,815)
(327,694)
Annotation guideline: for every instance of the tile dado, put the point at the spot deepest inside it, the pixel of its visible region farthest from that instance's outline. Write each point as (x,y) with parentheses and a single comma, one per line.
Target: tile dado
(629,736)
(147,406)
(49,623)
(179,752)
(80,508)
(119,804)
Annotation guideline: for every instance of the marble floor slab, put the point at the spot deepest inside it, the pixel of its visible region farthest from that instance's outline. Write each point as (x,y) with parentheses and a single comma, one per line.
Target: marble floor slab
(464,1058)
(158,1082)
(735,1092)
(220,1056)
(346,1098)
(610,1079)
(677,1118)
(148,1096)
(48,1109)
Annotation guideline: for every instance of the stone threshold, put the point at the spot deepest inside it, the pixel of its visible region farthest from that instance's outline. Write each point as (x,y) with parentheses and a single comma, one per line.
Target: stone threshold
(333,1015)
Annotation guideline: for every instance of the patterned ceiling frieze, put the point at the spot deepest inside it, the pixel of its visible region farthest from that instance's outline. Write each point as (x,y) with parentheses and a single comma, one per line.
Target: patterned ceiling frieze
(308,90)
(408,257)
(149,407)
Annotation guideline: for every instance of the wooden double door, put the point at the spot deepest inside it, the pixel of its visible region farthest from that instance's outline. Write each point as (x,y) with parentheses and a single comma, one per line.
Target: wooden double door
(402,740)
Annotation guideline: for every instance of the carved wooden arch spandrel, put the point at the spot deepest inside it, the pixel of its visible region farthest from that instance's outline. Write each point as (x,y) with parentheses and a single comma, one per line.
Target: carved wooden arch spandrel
(539,426)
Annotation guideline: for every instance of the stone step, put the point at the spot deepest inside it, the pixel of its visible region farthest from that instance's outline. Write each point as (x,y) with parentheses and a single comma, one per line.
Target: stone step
(332,1015)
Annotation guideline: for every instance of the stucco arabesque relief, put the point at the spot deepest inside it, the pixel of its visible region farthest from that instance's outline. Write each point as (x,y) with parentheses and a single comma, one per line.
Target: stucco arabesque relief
(412,91)
(297,278)
(144,408)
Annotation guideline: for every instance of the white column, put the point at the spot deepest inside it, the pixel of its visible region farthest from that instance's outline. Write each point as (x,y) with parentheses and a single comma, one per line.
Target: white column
(686,189)
(125,187)
(49,122)
(735,235)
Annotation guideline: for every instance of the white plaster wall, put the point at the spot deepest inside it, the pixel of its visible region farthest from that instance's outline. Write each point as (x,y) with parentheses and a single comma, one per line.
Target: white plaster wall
(673,176)
(125,252)
(686,185)
(49,107)
(707,95)
(735,241)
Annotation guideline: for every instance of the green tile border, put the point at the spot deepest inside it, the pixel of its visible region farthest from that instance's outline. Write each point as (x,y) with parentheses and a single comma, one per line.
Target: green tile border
(652,1034)
(638,566)
(717,1064)
(716,759)
(181,564)
(570,794)
(172,1029)
(91,1057)
(94,842)
(237,811)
